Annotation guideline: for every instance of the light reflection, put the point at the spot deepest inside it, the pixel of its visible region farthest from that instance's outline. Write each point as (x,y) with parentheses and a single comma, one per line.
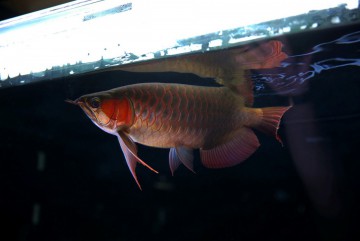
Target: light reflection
(298,69)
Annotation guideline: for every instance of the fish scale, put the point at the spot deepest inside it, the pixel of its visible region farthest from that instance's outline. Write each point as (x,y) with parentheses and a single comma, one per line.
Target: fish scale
(178,111)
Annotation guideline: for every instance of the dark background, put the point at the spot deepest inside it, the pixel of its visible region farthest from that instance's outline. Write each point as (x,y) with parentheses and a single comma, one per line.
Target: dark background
(62,178)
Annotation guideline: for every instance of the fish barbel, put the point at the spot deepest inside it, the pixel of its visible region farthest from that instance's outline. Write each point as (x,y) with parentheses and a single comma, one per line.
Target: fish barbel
(216,120)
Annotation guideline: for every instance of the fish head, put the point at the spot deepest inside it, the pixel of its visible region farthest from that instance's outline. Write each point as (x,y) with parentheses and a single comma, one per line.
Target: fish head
(111,114)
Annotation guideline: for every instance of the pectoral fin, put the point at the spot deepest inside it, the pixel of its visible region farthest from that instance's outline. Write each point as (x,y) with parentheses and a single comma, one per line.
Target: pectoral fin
(231,153)
(178,155)
(130,152)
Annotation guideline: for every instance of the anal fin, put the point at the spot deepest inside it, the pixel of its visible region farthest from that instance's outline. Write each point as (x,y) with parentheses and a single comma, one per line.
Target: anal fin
(233,152)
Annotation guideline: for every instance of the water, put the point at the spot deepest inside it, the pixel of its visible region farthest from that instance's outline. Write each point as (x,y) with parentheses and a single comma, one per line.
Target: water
(65,179)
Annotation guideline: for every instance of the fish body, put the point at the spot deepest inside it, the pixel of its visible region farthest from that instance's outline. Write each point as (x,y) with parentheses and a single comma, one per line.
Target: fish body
(217,120)
(169,115)
(182,118)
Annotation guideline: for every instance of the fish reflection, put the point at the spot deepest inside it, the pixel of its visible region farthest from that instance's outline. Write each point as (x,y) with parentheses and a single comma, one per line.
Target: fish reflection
(291,77)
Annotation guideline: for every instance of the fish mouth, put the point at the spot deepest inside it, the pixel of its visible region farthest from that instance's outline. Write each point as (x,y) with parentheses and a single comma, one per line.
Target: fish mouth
(89,112)
(73,102)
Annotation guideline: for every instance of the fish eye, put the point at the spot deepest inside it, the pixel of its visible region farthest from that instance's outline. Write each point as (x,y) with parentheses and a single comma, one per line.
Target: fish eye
(95,102)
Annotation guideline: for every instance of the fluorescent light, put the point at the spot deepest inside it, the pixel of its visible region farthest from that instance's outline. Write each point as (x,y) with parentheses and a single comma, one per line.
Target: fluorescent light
(125,31)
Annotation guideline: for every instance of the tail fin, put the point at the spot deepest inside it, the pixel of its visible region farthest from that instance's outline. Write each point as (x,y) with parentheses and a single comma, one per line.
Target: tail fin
(265,56)
(270,120)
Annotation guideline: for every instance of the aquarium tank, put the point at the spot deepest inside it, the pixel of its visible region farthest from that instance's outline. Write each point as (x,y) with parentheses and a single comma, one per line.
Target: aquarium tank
(135,120)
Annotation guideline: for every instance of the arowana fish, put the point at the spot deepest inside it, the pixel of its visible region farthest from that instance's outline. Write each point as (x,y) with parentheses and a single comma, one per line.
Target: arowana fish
(216,120)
